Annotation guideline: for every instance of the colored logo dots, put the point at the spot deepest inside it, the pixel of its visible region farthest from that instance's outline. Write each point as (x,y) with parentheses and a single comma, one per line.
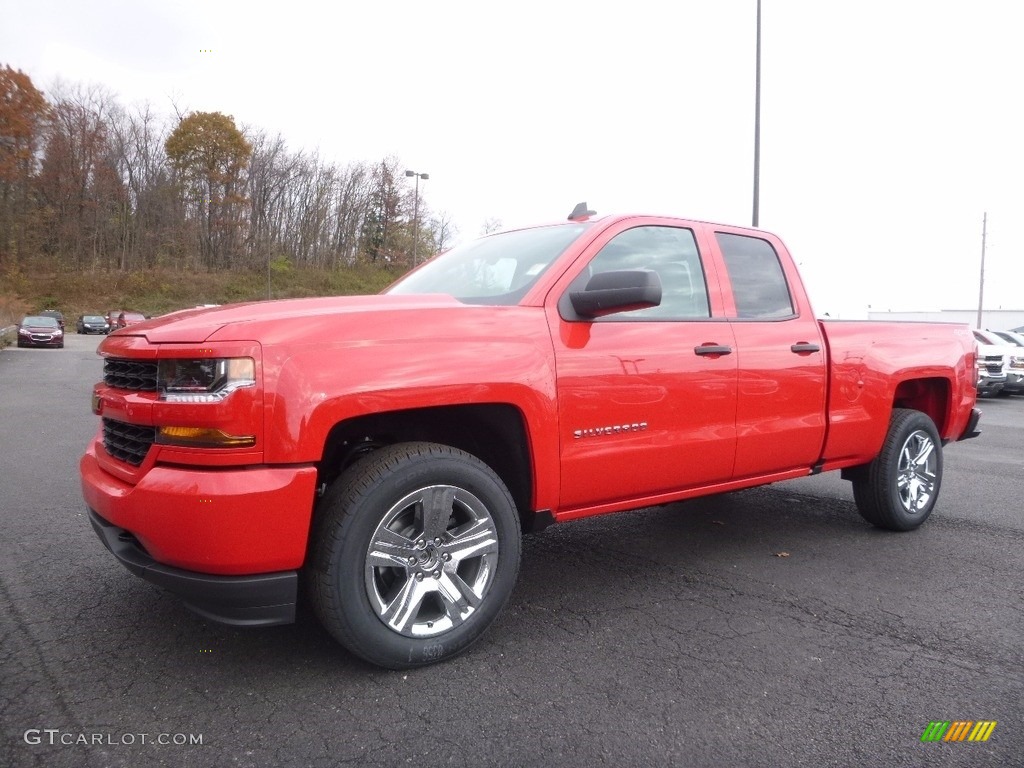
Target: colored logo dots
(959,730)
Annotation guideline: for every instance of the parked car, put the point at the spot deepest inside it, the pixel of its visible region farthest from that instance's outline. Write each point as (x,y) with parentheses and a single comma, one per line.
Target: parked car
(124,319)
(92,324)
(1012,337)
(1012,360)
(111,318)
(55,314)
(40,331)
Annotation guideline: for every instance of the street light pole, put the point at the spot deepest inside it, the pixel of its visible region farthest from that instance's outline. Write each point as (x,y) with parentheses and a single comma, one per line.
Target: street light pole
(981,282)
(416,210)
(757,122)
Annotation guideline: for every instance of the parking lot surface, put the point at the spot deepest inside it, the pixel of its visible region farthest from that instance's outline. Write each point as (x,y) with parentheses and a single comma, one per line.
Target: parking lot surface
(767,627)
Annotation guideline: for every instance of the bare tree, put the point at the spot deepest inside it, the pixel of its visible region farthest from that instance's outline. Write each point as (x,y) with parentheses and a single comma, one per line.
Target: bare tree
(79,182)
(150,217)
(351,208)
(443,231)
(272,170)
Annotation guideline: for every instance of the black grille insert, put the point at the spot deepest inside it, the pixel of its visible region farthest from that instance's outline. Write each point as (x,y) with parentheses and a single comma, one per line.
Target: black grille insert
(137,375)
(994,363)
(127,442)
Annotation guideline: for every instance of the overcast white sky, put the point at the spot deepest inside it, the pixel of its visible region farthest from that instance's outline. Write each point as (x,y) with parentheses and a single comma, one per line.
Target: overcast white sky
(889,127)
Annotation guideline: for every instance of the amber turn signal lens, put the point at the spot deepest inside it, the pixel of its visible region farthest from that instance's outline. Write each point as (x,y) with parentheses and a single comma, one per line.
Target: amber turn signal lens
(202,437)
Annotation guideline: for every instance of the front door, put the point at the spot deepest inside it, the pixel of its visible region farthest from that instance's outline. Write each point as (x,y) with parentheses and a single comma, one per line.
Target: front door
(646,398)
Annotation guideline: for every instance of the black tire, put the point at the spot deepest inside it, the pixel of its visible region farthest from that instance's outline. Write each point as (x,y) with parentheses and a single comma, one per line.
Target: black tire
(898,490)
(453,583)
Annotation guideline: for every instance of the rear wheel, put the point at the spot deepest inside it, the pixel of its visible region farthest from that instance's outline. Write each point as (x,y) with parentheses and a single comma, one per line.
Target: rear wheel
(898,490)
(417,549)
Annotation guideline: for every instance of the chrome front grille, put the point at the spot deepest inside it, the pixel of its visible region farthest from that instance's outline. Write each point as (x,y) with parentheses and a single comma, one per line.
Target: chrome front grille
(127,442)
(136,375)
(994,363)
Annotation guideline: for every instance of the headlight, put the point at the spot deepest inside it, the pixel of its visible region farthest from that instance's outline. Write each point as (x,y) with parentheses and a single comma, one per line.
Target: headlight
(24,332)
(204,381)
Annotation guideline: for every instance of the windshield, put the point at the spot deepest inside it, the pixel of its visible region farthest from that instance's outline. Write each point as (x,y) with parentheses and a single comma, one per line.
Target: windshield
(93,319)
(40,322)
(985,337)
(1010,336)
(498,269)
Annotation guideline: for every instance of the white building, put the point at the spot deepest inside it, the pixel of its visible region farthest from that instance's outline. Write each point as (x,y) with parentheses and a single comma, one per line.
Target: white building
(993,319)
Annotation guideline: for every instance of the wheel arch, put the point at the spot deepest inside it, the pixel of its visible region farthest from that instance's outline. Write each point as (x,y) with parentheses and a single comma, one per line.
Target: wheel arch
(495,433)
(930,395)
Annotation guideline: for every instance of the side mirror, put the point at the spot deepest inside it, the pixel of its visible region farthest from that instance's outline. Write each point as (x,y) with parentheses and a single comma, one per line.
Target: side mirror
(617,291)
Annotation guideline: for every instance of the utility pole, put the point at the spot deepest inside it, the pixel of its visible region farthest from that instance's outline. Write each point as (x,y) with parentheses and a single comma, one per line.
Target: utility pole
(981,285)
(757,120)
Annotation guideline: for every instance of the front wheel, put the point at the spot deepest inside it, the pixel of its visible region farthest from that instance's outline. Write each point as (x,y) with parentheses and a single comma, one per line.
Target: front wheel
(417,549)
(899,488)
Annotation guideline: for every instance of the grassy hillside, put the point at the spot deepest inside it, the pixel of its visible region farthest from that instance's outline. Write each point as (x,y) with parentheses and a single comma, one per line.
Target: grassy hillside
(158,292)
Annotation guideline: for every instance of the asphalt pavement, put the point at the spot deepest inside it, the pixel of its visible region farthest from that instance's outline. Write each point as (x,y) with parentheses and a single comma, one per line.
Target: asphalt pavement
(770,627)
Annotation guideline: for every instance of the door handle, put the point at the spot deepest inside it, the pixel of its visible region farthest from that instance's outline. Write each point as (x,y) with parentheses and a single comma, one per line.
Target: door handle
(803,348)
(712,349)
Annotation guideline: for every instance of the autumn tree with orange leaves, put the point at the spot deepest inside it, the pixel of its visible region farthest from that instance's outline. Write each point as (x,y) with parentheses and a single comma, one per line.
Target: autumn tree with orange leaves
(210,156)
(23,116)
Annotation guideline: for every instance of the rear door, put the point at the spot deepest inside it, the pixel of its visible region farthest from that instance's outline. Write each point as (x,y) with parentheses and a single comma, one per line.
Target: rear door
(780,352)
(647,398)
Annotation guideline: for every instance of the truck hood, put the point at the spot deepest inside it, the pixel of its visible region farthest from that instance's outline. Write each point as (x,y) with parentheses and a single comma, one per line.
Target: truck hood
(195,326)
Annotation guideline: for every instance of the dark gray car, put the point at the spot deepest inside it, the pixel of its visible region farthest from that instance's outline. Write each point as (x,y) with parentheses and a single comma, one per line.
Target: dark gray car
(92,324)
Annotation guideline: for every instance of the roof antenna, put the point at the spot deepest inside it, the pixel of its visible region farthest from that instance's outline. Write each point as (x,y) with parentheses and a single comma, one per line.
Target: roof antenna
(580,212)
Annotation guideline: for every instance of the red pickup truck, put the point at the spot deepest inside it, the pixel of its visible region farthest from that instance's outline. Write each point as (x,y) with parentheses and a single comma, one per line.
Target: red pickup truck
(385,452)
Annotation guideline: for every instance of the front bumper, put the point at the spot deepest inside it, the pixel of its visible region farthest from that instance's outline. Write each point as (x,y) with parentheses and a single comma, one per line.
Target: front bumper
(1014,382)
(228,541)
(41,341)
(987,386)
(264,600)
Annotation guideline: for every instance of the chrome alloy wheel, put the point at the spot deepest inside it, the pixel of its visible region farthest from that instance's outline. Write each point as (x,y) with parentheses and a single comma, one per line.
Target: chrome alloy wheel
(916,471)
(431,561)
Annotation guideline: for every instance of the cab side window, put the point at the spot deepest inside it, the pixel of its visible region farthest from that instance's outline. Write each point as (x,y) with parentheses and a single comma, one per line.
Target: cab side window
(759,286)
(669,251)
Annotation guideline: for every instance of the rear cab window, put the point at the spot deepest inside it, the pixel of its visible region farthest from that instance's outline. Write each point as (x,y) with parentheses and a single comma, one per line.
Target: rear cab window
(759,286)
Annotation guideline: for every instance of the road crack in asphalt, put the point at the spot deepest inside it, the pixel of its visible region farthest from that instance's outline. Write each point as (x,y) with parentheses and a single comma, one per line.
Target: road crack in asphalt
(26,659)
